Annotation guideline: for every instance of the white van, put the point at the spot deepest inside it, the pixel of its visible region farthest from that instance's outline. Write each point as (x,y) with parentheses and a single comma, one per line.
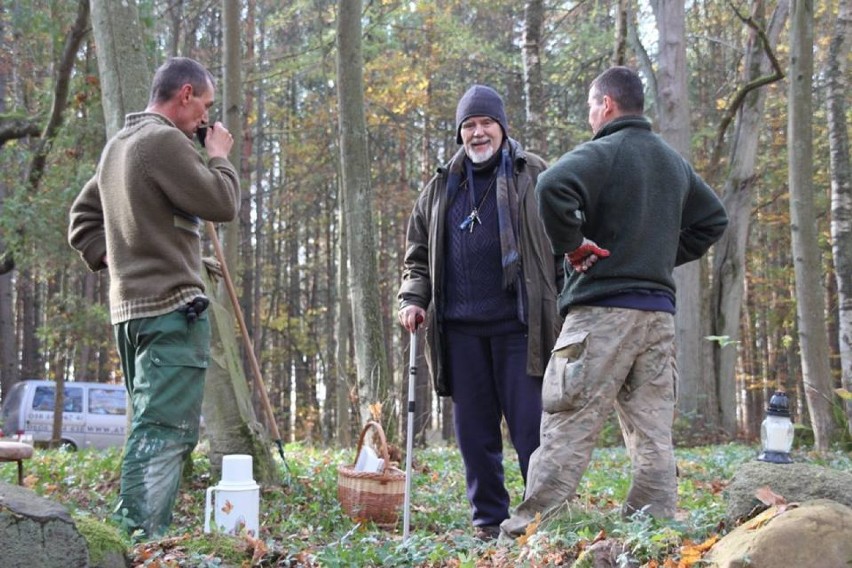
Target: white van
(94,414)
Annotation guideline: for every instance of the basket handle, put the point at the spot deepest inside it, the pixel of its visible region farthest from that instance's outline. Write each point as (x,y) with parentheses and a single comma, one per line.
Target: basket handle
(384,443)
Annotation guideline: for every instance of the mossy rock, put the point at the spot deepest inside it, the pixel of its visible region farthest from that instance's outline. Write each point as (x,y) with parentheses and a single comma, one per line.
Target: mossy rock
(106,544)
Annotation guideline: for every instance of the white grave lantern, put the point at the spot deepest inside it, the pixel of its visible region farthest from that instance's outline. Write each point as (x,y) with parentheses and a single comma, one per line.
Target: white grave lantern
(776,431)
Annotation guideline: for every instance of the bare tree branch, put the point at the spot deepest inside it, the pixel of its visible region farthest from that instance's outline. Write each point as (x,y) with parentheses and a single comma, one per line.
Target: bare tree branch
(13,128)
(740,96)
(60,95)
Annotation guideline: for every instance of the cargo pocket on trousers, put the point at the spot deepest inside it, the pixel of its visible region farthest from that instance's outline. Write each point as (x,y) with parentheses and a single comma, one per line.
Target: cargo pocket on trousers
(563,385)
(179,357)
(175,398)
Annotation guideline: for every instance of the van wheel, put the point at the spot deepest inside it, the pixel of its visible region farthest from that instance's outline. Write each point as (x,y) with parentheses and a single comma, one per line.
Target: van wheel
(67,446)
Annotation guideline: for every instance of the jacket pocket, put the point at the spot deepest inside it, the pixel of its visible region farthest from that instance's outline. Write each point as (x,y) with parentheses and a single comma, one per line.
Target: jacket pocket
(563,387)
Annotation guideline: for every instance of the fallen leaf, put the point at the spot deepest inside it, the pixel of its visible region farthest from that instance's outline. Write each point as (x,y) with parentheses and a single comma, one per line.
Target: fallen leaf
(260,549)
(761,519)
(531,529)
(227,507)
(769,497)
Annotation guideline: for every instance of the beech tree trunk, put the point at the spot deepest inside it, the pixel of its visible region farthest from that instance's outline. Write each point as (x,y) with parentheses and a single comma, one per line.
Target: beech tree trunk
(729,259)
(807,260)
(370,355)
(673,113)
(122,67)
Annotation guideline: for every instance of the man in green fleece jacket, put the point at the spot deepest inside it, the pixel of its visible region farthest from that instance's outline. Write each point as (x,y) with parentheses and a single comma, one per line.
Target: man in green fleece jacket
(624,209)
(140,217)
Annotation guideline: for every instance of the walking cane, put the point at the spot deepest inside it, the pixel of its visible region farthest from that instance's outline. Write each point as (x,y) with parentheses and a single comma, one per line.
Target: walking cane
(255,367)
(409,438)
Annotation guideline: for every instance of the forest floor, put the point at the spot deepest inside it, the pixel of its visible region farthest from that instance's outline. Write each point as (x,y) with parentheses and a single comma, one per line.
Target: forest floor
(302,523)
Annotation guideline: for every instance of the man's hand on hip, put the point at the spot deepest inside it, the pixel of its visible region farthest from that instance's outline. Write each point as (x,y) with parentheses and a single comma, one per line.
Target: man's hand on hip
(586,255)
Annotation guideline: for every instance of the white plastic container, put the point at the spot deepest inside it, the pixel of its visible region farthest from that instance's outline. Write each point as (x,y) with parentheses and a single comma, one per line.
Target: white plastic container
(235,501)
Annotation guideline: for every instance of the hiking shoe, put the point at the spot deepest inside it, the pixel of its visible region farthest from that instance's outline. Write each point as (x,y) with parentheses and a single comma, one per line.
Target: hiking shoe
(486,532)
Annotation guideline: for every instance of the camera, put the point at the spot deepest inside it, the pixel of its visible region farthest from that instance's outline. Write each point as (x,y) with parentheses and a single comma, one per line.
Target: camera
(201,133)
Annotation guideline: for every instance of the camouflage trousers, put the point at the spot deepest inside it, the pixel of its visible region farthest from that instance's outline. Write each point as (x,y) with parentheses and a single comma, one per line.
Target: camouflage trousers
(164,360)
(606,357)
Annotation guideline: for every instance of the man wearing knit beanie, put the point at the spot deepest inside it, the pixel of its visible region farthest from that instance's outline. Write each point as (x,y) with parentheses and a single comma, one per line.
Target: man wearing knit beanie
(480,100)
(479,274)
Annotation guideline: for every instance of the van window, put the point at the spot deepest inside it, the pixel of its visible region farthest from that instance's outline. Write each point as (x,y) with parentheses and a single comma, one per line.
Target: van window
(44,398)
(107,401)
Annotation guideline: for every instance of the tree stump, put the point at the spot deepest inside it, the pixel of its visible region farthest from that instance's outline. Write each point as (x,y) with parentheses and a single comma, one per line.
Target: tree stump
(37,532)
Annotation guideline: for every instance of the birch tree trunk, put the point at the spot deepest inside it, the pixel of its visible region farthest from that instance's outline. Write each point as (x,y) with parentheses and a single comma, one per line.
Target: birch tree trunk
(370,356)
(729,259)
(810,304)
(837,85)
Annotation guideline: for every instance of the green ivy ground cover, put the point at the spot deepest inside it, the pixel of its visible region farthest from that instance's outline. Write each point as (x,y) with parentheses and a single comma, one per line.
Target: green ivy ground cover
(302,523)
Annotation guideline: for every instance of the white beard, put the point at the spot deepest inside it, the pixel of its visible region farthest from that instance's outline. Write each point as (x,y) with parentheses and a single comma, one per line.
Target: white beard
(480,156)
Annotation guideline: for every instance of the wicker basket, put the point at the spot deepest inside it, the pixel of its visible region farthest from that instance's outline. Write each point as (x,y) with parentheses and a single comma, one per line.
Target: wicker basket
(372,496)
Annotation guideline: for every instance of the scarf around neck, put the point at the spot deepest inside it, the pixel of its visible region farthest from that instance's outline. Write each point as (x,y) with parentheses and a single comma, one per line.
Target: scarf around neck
(507,210)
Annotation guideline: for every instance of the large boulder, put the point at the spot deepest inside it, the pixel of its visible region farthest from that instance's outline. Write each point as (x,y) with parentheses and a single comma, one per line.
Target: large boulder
(795,482)
(814,533)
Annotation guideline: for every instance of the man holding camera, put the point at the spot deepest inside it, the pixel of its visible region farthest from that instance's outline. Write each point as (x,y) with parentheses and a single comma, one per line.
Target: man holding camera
(140,217)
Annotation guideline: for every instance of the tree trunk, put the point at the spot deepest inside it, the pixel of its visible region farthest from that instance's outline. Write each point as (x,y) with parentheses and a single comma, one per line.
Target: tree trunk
(806,254)
(673,114)
(229,417)
(227,409)
(370,356)
(232,118)
(345,388)
(622,24)
(123,69)
(837,85)
(533,23)
(729,259)
(8,338)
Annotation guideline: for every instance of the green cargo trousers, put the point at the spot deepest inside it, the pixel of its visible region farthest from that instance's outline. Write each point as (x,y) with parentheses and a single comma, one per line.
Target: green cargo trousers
(606,357)
(164,360)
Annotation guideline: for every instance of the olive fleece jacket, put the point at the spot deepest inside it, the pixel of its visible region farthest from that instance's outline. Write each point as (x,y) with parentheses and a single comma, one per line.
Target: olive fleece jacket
(423,265)
(142,211)
(633,194)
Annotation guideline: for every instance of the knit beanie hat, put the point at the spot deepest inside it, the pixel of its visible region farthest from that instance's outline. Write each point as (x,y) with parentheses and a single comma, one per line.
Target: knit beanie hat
(480,100)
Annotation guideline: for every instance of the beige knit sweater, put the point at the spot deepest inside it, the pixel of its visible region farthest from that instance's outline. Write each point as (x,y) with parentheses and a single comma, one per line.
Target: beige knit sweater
(143,211)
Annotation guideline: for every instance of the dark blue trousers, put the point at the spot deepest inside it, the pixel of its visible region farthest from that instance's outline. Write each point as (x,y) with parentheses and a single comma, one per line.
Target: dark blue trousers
(489,381)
